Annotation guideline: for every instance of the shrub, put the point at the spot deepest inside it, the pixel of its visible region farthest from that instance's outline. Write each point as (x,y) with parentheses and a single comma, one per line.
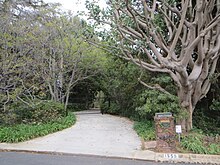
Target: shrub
(23,132)
(47,111)
(207,119)
(152,101)
(197,143)
(193,143)
(113,108)
(215,105)
(73,107)
(39,111)
(145,130)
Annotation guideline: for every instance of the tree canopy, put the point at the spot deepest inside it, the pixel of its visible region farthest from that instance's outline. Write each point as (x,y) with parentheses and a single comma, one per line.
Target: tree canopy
(180,38)
(43,54)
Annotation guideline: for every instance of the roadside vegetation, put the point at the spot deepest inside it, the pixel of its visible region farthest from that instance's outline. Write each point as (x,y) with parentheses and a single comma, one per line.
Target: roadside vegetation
(196,141)
(26,122)
(23,132)
(145,130)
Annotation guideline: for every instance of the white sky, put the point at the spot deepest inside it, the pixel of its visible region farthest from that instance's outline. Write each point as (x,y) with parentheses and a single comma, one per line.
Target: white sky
(79,5)
(75,5)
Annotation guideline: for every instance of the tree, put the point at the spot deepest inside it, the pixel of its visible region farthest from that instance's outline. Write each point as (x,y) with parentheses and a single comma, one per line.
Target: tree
(69,58)
(65,58)
(14,50)
(177,37)
(43,54)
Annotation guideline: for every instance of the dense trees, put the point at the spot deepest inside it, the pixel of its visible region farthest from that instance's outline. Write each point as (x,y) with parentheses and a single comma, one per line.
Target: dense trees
(43,54)
(179,38)
(125,96)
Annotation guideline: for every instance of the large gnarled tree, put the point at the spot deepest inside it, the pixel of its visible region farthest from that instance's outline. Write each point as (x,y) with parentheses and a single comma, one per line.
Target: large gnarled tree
(177,37)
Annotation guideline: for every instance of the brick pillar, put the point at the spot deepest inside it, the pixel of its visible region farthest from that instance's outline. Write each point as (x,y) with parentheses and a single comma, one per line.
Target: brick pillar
(165,133)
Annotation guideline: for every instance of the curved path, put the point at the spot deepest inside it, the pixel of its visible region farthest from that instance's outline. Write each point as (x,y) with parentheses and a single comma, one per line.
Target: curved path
(93,134)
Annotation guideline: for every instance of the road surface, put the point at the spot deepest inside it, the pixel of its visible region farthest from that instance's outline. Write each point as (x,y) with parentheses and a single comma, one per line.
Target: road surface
(21,158)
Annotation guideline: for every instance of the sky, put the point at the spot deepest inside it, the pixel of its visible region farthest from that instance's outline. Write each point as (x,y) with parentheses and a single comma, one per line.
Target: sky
(75,5)
(79,5)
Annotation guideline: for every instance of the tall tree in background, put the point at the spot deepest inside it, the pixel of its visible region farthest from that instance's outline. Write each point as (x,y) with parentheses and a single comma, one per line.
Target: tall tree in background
(15,49)
(68,58)
(180,38)
(43,53)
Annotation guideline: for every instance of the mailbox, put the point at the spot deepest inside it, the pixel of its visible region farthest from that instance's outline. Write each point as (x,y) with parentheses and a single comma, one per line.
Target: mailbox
(165,132)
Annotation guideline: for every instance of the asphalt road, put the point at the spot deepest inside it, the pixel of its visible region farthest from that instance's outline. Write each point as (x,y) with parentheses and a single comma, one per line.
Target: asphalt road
(22,158)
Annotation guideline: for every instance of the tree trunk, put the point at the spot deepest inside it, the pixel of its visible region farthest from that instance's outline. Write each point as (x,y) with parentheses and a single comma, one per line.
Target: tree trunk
(185,98)
(70,84)
(189,124)
(61,78)
(67,101)
(186,122)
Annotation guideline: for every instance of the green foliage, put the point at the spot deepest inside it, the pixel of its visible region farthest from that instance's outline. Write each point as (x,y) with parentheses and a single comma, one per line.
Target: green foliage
(152,101)
(215,105)
(207,114)
(84,93)
(208,123)
(113,108)
(145,130)
(73,107)
(164,81)
(126,96)
(39,59)
(160,24)
(23,132)
(214,149)
(38,50)
(37,112)
(197,143)
(120,85)
(193,143)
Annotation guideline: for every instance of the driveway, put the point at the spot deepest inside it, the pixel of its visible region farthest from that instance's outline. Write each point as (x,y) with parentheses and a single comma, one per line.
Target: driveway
(93,134)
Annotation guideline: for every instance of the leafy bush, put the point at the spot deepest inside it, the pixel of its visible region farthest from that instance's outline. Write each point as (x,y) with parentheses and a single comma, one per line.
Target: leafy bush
(112,109)
(207,119)
(215,105)
(193,143)
(145,130)
(196,143)
(38,112)
(73,107)
(152,101)
(23,132)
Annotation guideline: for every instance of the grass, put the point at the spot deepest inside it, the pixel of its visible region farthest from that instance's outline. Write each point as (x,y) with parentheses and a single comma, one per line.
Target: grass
(23,132)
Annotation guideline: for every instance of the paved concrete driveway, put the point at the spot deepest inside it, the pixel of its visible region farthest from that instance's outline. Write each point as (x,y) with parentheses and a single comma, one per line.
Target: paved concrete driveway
(93,134)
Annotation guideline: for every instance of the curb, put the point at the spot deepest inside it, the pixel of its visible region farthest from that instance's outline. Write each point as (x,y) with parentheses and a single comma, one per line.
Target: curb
(144,155)
(188,158)
(178,157)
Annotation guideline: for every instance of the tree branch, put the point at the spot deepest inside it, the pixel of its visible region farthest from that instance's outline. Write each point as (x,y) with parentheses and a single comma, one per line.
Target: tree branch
(155,87)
